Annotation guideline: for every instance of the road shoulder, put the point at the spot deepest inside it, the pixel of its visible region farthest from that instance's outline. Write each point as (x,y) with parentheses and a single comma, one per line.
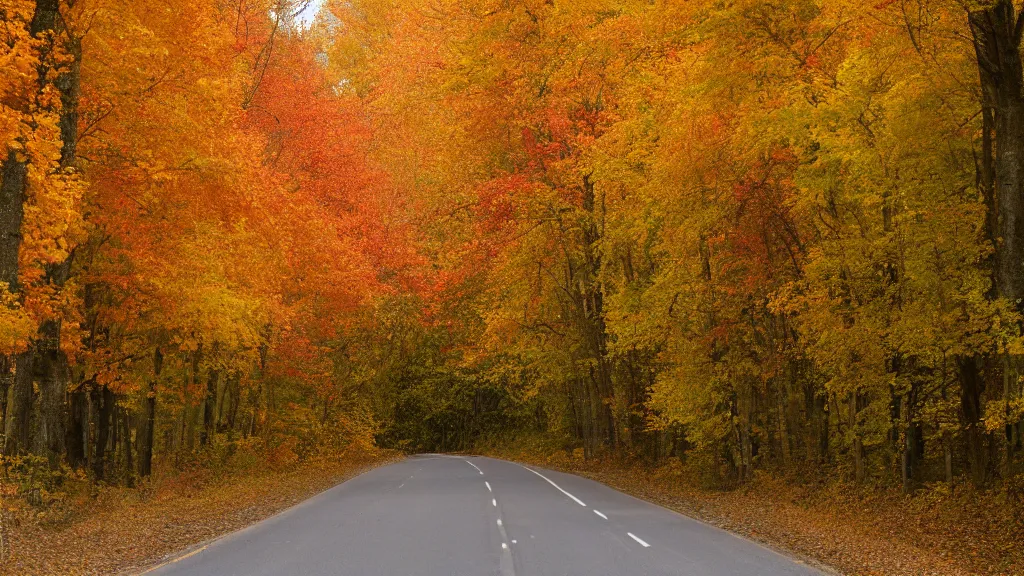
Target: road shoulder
(828,534)
(129,532)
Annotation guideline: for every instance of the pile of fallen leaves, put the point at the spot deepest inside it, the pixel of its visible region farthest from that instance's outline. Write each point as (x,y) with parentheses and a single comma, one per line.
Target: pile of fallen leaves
(117,530)
(857,531)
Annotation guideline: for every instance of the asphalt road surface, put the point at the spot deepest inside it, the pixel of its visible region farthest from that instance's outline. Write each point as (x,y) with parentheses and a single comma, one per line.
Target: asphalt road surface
(439,515)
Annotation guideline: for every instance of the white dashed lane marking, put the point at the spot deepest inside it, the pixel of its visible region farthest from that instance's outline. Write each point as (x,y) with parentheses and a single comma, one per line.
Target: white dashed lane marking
(642,543)
(494,502)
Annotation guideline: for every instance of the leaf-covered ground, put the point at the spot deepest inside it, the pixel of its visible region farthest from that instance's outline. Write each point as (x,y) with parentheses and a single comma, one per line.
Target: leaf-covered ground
(126,531)
(868,532)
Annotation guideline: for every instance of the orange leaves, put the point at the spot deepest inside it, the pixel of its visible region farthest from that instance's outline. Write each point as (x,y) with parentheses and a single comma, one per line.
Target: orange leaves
(30,112)
(16,327)
(19,58)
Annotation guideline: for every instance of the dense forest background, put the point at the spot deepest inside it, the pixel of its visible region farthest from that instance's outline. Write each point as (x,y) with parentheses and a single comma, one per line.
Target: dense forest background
(741,235)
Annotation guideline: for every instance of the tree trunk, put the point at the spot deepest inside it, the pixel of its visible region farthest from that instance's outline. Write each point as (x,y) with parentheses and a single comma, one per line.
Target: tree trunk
(593,325)
(997,38)
(18,427)
(236,399)
(126,445)
(12,210)
(148,424)
(54,374)
(78,420)
(859,468)
(997,32)
(785,448)
(209,408)
(6,380)
(104,398)
(971,388)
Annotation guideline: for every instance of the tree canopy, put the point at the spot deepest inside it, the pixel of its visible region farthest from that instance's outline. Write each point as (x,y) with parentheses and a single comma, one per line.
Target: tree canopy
(746,234)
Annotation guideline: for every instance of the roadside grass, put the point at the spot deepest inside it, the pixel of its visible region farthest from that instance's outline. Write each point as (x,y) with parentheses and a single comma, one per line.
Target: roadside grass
(867,531)
(99,529)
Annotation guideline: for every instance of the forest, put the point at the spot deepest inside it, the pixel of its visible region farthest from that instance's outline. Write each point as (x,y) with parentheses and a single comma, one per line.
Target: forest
(745,236)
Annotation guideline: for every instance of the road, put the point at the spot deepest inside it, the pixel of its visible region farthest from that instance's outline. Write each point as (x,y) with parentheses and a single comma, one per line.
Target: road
(437,515)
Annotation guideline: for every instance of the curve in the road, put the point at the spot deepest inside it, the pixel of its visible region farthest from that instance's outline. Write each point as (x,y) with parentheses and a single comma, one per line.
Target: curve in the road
(434,516)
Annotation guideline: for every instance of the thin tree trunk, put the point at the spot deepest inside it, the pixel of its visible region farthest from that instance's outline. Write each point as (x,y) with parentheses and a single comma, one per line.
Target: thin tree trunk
(783,431)
(148,428)
(859,472)
(104,398)
(78,419)
(209,408)
(236,399)
(126,444)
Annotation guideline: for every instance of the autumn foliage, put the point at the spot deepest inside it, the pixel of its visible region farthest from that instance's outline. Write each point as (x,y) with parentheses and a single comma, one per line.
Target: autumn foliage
(743,236)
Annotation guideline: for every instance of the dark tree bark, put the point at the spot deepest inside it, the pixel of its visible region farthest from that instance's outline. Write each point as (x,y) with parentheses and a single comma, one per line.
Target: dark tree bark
(209,408)
(18,427)
(145,435)
(6,379)
(54,374)
(126,447)
(105,400)
(12,211)
(971,388)
(997,32)
(77,431)
(235,391)
(997,38)
(592,320)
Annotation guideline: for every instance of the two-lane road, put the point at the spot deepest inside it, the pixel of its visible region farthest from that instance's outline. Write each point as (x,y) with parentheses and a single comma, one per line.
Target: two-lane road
(473,516)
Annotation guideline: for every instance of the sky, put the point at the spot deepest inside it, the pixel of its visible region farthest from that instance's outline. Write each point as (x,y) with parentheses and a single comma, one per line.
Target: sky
(307,15)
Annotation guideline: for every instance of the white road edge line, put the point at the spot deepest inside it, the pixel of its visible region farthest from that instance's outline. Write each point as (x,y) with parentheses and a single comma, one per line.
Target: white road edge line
(488,484)
(578,501)
(642,543)
(474,466)
(598,512)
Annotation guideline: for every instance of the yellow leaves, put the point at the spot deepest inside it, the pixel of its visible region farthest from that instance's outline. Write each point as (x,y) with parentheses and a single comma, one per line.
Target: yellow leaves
(16,326)
(19,59)
(53,220)
(999,413)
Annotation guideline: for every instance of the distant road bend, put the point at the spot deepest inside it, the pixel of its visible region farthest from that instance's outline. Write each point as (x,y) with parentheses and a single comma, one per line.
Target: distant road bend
(437,515)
